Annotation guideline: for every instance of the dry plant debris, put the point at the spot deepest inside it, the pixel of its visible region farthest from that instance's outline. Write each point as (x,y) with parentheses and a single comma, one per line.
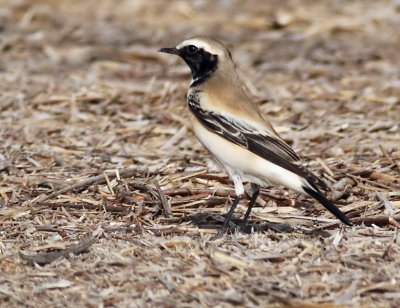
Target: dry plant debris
(107,200)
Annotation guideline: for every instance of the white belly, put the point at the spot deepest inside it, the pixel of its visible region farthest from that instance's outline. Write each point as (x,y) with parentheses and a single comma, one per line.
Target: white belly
(244,163)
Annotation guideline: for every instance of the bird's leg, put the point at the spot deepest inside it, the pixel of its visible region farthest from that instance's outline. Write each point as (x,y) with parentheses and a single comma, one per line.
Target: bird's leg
(239,190)
(255,192)
(228,217)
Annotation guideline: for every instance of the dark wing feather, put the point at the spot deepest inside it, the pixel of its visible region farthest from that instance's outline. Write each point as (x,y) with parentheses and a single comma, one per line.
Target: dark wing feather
(266,146)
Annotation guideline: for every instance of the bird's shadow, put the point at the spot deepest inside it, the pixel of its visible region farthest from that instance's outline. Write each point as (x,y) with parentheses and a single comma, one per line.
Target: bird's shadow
(209,220)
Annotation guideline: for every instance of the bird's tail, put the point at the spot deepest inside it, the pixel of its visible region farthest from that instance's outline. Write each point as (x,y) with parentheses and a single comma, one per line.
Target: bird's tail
(317,195)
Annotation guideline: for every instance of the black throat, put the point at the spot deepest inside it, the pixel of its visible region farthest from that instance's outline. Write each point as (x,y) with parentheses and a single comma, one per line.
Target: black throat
(202,64)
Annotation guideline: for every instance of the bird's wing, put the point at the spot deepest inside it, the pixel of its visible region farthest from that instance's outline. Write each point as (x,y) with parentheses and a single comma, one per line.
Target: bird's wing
(260,142)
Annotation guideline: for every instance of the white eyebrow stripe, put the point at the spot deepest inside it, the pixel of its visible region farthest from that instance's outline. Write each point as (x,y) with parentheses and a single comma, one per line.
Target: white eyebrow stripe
(201,44)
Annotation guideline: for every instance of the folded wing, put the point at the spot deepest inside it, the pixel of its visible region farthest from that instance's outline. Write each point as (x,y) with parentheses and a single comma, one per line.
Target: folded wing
(261,142)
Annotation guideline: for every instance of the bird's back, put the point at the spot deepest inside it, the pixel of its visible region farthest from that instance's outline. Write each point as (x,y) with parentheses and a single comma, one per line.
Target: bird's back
(224,92)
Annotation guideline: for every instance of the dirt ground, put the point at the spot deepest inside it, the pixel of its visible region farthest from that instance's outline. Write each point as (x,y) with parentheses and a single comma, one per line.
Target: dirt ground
(108,200)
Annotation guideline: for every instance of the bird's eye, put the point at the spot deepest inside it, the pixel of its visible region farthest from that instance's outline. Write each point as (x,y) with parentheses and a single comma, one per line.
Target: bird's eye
(192,49)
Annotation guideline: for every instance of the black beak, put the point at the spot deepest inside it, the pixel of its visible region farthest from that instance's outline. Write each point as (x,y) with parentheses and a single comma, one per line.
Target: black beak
(172,50)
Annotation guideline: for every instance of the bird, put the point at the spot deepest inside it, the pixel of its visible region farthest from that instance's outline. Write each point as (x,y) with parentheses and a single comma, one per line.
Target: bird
(233,129)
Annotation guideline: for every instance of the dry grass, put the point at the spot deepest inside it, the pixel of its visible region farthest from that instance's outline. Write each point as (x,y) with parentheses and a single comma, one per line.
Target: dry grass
(106,199)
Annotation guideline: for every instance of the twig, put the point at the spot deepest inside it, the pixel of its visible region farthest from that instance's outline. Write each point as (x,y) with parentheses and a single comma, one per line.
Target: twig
(375,176)
(320,219)
(379,220)
(100,207)
(109,182)
(190,198)
(48,257)
(155,231)
(227,193)
(387,156)
(394,222)
(47,228)
(174,139)
(374,184)
(211,177)
(389,209)
(325,166)
(211,191)
(99,179)
(164,201)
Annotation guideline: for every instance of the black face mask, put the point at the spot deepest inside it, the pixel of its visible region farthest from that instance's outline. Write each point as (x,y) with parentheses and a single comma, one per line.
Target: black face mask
(201,63)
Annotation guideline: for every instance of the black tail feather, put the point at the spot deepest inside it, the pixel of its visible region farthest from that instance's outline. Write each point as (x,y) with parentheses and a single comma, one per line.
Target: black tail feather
(327,204)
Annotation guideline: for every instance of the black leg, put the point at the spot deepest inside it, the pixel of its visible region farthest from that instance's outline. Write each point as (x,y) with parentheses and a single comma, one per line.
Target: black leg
(256,190)
(228,217)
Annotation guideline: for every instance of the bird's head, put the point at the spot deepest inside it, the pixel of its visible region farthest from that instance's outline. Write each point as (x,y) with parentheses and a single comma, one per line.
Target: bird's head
(202,55)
